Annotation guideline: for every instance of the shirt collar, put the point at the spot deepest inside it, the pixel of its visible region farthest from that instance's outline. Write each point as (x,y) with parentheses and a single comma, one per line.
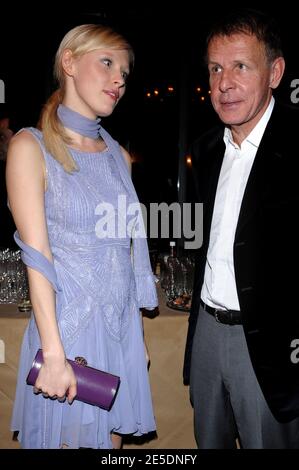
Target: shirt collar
(255,136)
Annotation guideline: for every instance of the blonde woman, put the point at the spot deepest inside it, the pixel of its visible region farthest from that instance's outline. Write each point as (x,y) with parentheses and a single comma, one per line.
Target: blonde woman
(86,287)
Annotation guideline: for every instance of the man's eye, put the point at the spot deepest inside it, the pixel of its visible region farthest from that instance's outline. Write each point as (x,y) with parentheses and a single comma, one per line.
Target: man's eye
(242,66)
(215,69)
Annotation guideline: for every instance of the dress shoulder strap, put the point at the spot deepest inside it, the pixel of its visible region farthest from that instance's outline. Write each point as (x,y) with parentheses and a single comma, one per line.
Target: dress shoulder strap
(38,135)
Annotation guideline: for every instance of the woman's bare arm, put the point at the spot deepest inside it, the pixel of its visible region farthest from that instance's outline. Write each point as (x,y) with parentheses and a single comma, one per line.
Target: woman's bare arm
(25,176)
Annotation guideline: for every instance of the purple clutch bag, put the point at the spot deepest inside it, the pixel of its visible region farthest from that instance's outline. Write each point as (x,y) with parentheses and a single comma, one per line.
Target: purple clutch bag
(93,385)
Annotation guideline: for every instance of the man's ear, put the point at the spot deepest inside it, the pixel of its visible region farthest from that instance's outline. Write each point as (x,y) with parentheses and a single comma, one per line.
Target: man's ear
(277,71)
(67,62)
(4,123)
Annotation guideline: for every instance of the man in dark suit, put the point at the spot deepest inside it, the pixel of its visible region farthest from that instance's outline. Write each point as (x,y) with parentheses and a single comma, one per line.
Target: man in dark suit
(244,321)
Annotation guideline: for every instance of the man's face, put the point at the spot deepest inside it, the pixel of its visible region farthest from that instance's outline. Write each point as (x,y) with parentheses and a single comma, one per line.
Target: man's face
(240,79)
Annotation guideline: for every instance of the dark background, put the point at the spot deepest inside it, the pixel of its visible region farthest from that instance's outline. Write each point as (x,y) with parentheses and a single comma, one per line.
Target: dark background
(169,45)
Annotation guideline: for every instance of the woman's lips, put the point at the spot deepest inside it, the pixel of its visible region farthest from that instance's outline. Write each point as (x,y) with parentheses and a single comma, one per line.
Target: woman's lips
(113,95)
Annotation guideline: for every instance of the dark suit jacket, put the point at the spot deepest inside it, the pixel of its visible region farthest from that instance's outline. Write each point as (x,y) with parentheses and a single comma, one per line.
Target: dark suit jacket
(266,254)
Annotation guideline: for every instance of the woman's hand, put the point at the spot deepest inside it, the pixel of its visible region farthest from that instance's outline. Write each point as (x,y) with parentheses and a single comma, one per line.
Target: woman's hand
(56,379)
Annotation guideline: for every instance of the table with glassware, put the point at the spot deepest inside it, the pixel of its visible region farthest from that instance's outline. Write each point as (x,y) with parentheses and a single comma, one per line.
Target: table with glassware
(165,335)
(12,327)
(176,278)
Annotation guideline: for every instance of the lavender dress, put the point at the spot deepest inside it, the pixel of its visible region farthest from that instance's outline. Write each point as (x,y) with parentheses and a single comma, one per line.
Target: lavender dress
(100,285)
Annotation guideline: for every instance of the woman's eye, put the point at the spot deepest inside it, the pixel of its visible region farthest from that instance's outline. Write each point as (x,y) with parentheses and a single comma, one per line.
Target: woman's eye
(125,76)
(107,62)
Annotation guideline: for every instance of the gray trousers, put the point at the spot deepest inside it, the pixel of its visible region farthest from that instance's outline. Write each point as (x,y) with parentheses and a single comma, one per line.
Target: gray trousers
(226,396)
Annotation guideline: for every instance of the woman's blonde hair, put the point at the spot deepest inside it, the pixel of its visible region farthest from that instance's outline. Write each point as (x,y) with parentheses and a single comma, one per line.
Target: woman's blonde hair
(79,40)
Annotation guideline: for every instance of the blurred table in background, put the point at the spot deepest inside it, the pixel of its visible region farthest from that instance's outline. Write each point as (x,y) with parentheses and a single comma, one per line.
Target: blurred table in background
(12,327)
(165,336)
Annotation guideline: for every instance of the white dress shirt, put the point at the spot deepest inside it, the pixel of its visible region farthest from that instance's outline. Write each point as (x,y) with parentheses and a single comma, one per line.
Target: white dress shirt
(219,286)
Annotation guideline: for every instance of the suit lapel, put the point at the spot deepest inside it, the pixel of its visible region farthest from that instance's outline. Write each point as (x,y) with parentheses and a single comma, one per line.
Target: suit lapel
(216,155)
(217,159)
(258,177)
